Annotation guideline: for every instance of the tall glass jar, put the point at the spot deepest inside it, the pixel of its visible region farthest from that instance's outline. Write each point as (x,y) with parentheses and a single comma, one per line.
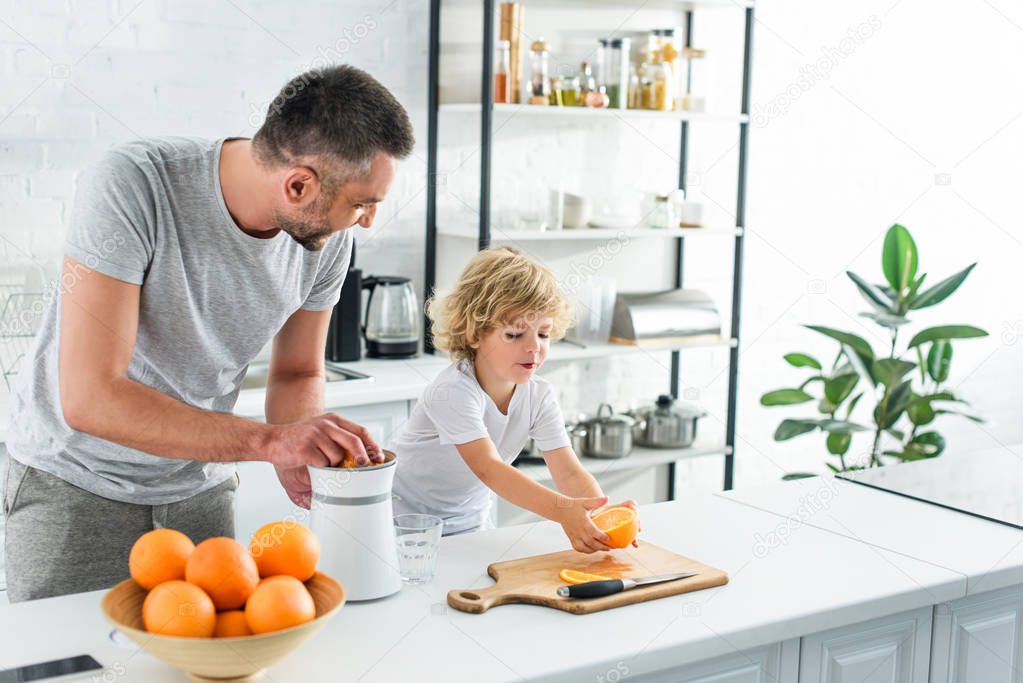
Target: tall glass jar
(694,98)
(614,75)
(539,73)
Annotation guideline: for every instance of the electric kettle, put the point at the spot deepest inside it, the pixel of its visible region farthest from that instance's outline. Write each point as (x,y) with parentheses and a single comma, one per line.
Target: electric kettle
(353,518)
(392,317)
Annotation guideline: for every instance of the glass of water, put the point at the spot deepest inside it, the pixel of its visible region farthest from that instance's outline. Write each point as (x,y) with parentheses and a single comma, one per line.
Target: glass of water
(418,539)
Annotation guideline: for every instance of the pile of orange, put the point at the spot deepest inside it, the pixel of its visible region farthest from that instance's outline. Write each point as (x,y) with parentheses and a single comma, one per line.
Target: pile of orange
(220,588)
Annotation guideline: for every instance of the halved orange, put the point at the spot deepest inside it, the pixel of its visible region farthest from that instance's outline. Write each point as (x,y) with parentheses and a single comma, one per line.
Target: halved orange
(620,523)
(576,576)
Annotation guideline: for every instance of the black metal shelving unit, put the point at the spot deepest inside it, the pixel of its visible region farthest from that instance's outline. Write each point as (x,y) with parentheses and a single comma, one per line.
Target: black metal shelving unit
(484,229)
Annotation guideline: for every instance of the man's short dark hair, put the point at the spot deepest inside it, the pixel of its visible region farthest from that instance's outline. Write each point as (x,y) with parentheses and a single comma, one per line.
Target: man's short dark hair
(338,112)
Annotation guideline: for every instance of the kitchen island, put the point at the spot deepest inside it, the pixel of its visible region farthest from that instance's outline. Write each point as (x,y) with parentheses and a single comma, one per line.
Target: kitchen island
(829,581)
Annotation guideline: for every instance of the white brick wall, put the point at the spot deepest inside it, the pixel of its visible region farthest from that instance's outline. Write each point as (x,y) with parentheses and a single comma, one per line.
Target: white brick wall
(82,75)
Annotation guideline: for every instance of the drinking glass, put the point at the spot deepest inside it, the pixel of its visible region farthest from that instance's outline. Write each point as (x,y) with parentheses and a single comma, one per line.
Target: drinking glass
(418,537)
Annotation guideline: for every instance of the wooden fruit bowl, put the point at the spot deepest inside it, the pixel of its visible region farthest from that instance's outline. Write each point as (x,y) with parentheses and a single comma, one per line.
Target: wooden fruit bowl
(225,660)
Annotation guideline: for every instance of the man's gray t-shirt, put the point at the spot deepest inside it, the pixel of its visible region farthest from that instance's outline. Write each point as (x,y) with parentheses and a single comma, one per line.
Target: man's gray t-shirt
(152,213)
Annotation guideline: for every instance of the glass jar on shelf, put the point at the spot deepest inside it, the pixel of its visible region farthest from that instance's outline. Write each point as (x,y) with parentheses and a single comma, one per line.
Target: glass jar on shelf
(539,73)
(657,84)
(694,99)
(614,76)
(565,91)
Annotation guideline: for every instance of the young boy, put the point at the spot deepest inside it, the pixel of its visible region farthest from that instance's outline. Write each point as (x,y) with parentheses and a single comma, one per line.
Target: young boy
(456,449)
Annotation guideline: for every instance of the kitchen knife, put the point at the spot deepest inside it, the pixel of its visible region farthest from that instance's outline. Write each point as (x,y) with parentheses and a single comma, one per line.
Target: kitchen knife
(598,589)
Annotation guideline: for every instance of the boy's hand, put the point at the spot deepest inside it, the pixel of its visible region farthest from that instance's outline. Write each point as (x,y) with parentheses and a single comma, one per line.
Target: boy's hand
(575,520)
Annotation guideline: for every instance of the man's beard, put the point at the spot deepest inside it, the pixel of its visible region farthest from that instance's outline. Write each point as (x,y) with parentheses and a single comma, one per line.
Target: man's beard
(310,234)
(311,230)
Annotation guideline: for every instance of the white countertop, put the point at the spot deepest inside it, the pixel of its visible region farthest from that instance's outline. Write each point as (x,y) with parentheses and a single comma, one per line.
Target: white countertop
(989,554)
(812,581)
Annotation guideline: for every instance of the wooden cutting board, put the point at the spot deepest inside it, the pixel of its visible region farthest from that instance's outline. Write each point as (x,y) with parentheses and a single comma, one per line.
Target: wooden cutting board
(535,581)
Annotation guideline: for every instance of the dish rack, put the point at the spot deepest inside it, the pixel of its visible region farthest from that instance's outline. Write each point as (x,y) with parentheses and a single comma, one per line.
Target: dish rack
(21,311)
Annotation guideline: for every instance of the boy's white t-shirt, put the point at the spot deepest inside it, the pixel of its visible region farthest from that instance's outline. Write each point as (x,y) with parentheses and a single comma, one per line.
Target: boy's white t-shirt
(431,476)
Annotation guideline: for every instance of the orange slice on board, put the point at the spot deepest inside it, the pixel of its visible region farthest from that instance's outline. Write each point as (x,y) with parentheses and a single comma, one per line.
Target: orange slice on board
(620,523)
(575,576)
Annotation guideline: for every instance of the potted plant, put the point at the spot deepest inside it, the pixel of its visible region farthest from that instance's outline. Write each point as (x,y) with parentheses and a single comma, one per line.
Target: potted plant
(907,387)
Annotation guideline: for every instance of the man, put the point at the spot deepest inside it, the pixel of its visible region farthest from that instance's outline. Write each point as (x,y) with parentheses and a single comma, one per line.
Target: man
(183,258)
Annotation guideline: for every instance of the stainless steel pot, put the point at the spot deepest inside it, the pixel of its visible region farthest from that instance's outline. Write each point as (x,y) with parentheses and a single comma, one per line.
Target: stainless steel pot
(604,436)
(666,425)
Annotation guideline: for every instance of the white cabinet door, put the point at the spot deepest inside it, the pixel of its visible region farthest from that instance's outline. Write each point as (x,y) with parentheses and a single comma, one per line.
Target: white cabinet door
(260,498)
(778,663)
(979,639)
(894,649)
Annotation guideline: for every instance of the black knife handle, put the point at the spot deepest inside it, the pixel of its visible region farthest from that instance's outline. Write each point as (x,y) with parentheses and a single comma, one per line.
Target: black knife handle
(596,589)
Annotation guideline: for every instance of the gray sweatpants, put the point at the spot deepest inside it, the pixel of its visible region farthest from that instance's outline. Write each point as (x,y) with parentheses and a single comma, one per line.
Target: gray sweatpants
(62,539)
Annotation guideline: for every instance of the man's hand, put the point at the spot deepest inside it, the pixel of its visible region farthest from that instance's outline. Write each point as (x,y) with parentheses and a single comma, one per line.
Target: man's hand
(321,441)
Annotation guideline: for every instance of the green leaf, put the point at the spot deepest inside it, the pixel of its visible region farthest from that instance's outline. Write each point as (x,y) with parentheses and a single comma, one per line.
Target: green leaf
(898,259)
(900,397)
(914,451)
(861,365)
(785,397)
(890,408)
(939,396)
(824,407)
(972,418)
(841,427)
(939,359)
(858,344)
(887,319)
(920,412)
(940,291)
(837,389)
(833,468)
(792,428)
(897,433)
(802,360)
(946,332)
(874,296)
(931,439)
(852,404)
(838,444)
(791,476)
(914,288)
(815,378)
(889,371)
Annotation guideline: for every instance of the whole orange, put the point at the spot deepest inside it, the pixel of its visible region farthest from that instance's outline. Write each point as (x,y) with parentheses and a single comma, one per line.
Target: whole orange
(179,608)
(230,624)
(223,568)
(285,548)
(159,555)
(620,523)
(270,578)
(278,604)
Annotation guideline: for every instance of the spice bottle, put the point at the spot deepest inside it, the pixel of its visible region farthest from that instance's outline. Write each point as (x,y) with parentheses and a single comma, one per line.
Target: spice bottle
(502,81)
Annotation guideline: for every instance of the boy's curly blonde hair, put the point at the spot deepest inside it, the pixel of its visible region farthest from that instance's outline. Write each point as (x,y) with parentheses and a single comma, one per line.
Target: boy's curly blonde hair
(497,287)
